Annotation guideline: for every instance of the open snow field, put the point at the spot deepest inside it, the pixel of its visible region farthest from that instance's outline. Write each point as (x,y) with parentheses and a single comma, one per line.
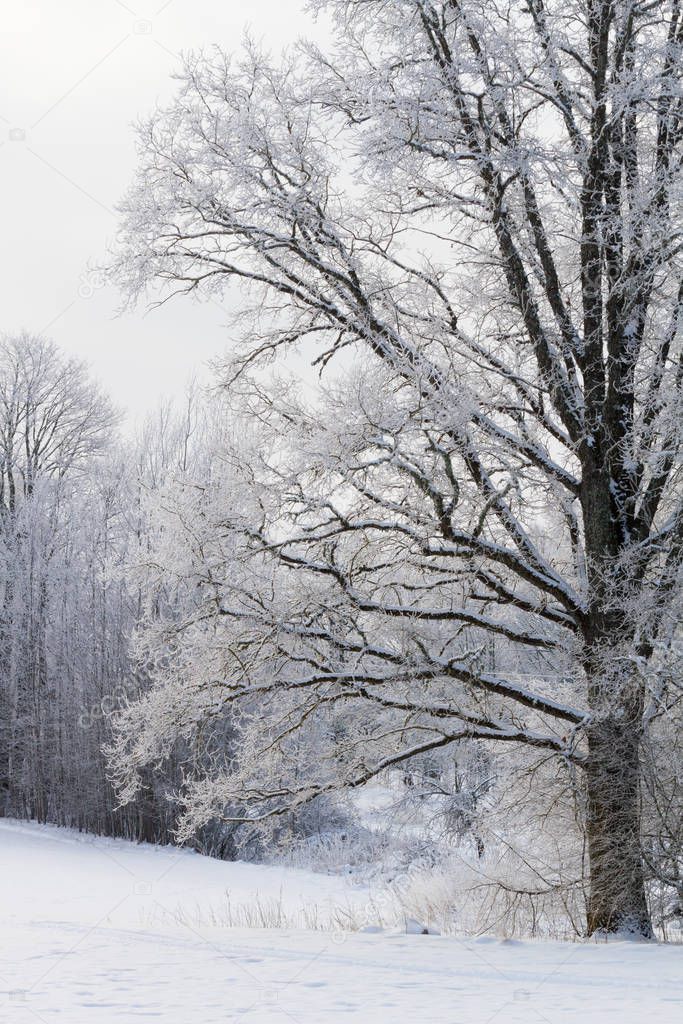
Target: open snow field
(97,930)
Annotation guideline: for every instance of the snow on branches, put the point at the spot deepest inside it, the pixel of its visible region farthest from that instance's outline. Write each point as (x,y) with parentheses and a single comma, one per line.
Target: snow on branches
(478,207)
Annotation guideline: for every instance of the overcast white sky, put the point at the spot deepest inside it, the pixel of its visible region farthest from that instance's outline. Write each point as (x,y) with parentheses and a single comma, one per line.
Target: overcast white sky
(75,74)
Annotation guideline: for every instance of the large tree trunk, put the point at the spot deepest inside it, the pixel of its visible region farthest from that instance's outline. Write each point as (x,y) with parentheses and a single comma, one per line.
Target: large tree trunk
(617,900)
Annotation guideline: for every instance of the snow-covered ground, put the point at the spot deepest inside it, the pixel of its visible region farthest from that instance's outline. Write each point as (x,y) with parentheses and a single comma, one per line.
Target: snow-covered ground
(101,930)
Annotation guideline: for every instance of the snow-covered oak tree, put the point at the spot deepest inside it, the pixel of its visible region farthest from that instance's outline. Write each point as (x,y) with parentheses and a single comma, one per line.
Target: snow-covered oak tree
(480,203)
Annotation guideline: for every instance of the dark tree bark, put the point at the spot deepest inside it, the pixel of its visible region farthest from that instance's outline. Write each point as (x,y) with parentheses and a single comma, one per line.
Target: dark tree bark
(617,900)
